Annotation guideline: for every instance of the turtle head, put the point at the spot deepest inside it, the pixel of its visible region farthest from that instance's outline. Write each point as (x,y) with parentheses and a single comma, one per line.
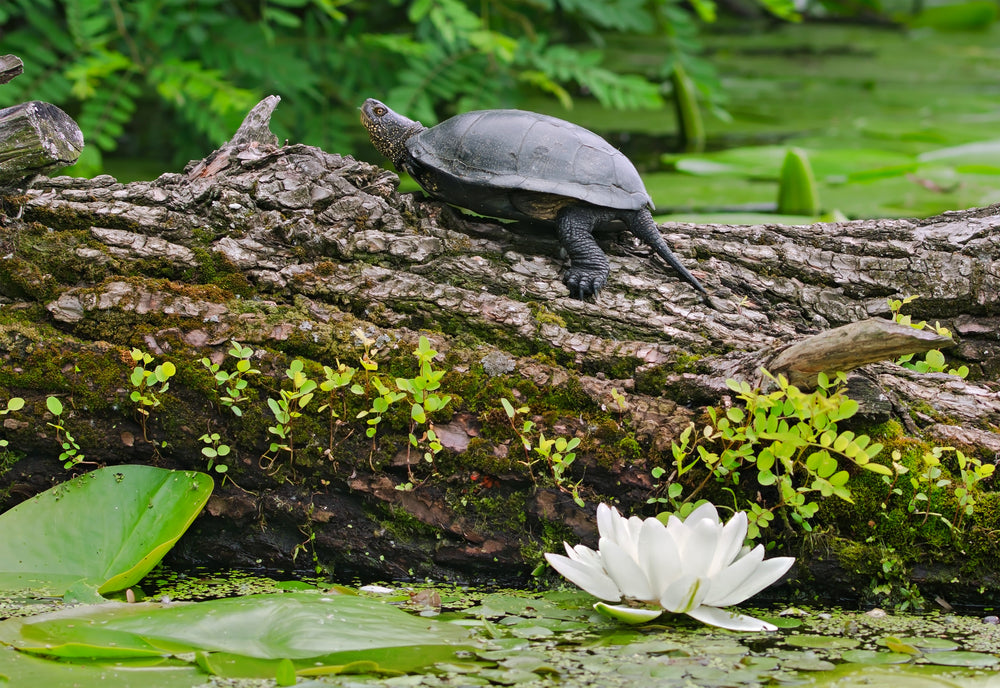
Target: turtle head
(388,130)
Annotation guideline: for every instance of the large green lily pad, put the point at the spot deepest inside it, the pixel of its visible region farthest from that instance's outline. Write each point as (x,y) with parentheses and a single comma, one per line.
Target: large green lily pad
(104,530)
(247,637)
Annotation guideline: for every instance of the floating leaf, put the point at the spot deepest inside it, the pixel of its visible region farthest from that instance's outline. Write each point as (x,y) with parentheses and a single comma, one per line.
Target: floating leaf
(105,529)
(824,642)
(875,657)
(252,636)
(962,658)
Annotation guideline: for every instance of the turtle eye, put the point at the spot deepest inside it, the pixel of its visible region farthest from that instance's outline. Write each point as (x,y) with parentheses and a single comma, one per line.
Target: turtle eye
(380,110)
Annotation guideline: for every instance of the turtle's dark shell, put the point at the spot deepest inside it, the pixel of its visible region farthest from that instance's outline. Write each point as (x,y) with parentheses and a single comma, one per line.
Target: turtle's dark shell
(486,160)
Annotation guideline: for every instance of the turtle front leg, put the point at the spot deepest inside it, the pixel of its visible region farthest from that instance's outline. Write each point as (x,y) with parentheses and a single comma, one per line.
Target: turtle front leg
(589,266)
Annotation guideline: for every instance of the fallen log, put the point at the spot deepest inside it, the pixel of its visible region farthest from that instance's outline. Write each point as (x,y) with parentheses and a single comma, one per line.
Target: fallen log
(296,252)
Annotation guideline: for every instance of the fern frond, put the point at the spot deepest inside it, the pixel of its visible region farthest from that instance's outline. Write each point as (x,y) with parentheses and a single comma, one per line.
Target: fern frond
(202,96)
(89,23)
(87,74)
(621,15)
(439,77)
(105,113)
(563,63)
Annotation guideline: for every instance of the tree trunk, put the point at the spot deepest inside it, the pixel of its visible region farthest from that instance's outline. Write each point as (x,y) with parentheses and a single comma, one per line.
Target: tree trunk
(304,254)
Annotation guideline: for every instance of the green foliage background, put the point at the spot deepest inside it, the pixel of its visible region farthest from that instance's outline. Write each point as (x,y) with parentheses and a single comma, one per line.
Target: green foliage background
(172,79)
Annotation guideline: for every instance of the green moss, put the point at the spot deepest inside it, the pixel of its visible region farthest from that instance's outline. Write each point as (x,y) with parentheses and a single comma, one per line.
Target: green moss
(543,316)
(500,511)
(21,279)
(63,217)
(480,456)
(651,381)
(399,523)
(551,539)
(629,448)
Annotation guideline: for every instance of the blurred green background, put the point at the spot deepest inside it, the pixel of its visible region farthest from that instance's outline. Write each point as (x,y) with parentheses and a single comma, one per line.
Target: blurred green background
(893,106)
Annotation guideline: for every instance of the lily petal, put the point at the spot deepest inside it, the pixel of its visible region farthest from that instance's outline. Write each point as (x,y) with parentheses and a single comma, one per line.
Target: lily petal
(620,530)
(730,542)
(593,580)
(704,511)
(764,574)
(684,594)
(584,555)
(625,571)
(607,517)
(630,615)
(727,583)
(697,557)
(713,616)
(658,556)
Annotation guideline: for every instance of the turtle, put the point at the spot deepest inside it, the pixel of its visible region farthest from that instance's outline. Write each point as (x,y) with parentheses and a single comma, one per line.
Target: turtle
(527,166)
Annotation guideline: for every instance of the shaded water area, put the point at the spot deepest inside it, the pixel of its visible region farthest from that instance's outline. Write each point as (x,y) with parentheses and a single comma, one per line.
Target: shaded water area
(896,122)
(553,637)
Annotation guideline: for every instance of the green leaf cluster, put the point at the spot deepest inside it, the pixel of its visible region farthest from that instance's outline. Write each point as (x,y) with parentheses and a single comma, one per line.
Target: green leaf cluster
(933,360)
(787,438)
(935,484)
(13,404)
(235,382)
(71,453)
(557,452)
(132,71)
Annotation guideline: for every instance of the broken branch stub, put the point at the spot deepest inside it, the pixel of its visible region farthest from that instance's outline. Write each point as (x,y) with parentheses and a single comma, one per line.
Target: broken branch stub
(251,140)
(36,138)
(10,68)
(850,346)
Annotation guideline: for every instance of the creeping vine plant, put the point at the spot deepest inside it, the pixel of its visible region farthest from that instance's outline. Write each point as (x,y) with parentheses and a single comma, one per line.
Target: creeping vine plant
(234,383)
(147,384)
(788,437)
(13,404)
(71,454)
(558,453)
(287,408)
(933,361)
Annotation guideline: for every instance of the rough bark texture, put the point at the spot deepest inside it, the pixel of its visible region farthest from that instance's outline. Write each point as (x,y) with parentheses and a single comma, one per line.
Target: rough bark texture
(11,67)
(36,138)
(292,251)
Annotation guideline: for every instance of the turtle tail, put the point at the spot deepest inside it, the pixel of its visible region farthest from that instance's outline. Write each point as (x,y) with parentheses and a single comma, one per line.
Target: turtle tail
(644,227)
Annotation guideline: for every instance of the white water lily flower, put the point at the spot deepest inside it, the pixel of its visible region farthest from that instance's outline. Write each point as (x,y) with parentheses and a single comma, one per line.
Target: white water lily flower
(693,566)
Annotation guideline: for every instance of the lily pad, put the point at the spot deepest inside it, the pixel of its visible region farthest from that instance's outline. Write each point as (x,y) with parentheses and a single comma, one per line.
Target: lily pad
(17,669)
(252,636)
(962,658)
(873,657)
(930,644)
(822,642)
(105,529)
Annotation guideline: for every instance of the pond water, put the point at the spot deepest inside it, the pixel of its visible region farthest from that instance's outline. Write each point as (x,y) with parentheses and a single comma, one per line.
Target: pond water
(896,123)
(553,637)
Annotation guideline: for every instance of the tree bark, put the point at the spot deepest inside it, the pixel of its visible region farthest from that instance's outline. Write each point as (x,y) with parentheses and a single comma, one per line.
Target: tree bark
(36,138)
(11,67)
(301,253)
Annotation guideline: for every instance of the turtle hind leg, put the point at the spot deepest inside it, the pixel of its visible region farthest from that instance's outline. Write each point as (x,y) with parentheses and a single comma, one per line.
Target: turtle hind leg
(642,224)
(589,267)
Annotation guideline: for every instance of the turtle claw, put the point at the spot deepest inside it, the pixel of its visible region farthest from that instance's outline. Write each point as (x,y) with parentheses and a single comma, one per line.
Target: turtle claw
(584,283)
